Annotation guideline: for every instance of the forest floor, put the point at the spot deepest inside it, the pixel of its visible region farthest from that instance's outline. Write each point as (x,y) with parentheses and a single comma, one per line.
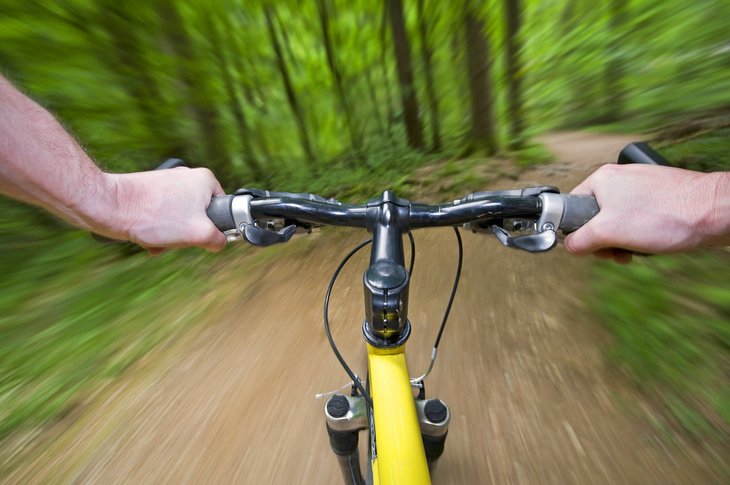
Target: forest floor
(522,367)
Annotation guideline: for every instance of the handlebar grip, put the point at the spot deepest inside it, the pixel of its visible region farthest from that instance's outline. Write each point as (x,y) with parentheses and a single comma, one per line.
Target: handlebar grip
(220,212)
(171,163)
(579,209)
(640,152)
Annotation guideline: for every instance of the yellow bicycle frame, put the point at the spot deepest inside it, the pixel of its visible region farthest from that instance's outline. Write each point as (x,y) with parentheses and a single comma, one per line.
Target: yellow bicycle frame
(400,458)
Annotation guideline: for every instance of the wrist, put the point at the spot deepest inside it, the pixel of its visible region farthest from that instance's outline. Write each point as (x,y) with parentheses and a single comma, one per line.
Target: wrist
(109,210)
(717,224)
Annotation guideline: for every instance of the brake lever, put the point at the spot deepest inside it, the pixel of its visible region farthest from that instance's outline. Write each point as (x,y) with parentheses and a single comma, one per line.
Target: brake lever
(265,237)
(246,227)
(545,236)
(534,243)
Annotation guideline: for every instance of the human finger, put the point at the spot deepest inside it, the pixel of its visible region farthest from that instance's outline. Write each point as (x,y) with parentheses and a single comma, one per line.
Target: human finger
(622,256)
(605,253)
(213,239)
(588,239)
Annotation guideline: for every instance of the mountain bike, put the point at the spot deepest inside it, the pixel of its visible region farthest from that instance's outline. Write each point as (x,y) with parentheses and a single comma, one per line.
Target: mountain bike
(407,431)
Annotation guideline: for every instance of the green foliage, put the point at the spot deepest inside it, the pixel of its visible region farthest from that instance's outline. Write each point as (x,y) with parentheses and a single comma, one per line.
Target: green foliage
(669,317)
(353,178)
(706,153)
(74,312)
(532,154)
(139,81)
(673,57)
(458,177)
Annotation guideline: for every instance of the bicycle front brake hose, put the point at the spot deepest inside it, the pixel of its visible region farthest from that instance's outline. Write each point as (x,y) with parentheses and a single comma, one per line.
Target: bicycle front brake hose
(446,313)
(453,289)
(355,379)
(413,254)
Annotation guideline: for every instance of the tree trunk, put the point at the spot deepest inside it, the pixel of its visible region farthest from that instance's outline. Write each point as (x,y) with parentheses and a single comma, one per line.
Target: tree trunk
(384,68)
(337,74)
(579,105)
(239,115)
(482,134)
(614,72)
(513,12)
(289,88)
(198,102)
(136,75)
(374,100)
(285,42)
(409,100)
(244,78)
(427,59)
(251,100)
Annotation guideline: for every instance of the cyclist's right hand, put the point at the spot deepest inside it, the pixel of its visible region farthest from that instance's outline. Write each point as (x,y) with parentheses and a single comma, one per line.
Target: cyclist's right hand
(162,209)
(652,209)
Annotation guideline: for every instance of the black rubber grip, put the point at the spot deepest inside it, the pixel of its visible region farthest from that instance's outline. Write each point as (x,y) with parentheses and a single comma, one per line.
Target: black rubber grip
(219,211)
(640,152)
(579,209)
(171,163)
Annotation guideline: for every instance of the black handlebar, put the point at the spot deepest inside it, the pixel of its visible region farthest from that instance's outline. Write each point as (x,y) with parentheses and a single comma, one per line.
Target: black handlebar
(312,210)
(480,207)
(306,211)
(483,208)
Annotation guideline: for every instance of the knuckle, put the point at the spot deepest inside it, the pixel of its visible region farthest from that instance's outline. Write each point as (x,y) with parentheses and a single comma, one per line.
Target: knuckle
(207,172)
(208,178)
(203,172)
(606,170)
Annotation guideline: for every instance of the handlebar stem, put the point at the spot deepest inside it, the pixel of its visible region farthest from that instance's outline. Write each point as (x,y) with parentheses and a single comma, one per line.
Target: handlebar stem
(386,281)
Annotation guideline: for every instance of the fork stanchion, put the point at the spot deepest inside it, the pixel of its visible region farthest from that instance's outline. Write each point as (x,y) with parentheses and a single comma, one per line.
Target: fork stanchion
(346,416)
(434,417)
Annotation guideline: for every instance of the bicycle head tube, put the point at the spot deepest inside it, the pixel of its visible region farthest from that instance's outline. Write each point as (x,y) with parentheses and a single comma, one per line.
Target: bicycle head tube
(386,281)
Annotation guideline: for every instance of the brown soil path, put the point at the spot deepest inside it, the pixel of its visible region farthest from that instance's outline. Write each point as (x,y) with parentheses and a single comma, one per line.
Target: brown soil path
(521,366)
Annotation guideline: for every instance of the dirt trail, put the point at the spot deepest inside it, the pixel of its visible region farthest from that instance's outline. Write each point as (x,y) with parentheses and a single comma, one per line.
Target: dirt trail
(521,366)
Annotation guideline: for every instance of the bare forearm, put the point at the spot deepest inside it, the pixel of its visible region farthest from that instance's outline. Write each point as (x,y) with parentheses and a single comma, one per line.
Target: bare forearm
(42,164)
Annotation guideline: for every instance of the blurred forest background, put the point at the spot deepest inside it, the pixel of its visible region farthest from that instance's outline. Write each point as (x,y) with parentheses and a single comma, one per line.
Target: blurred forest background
(345,98)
